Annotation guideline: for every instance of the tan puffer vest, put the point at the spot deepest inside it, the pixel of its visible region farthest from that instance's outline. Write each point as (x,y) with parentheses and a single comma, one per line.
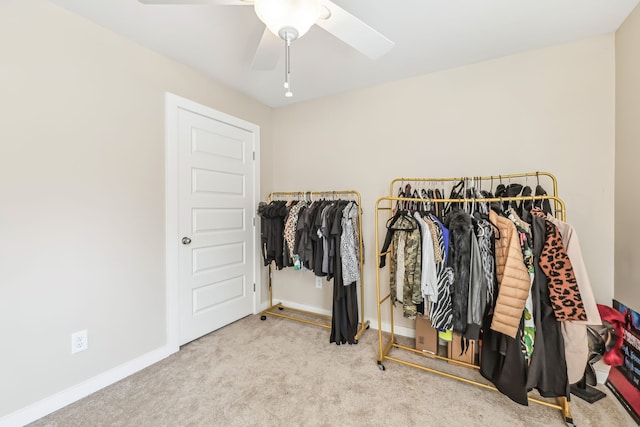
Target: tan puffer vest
(513,278)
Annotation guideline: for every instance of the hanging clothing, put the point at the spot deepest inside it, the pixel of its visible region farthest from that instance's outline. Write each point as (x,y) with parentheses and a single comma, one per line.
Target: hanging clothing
(486,245)
(576,341)
(291,225)
(563,287)
(272,217)
(318,238)
(489,282)
(460,228)
(412,292)
(440,312)
(526,243)
(572,245)
(323,232)
(438,255)
(344,321)
(513,278)
(548,366)
(445,236)
(349,246)
(477,293)
(428,276)
(403,226)
(397,263)
(503,363)
(544,205)
(524,208)
(315,236)
(305,247)
(359,244)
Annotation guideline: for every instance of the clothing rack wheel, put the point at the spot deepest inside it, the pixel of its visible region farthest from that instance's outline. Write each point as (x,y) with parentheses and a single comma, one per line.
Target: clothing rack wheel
(282,310)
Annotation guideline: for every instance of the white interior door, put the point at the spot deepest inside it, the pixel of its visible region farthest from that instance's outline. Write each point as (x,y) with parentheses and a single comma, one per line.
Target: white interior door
(216,206)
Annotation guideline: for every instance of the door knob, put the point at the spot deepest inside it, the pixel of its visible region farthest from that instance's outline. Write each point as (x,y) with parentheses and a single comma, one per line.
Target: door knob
(186,240)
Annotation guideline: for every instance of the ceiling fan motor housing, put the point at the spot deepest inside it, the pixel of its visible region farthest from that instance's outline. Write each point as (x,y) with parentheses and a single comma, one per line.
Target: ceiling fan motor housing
(288,19)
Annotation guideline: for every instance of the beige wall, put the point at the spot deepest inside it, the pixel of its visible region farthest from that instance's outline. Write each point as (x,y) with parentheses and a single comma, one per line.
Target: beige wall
(82,195)
(627,202)
(550,109)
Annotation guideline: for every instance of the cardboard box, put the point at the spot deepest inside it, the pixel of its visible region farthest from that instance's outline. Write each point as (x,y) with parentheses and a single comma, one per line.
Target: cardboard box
(426,336)
(455,351)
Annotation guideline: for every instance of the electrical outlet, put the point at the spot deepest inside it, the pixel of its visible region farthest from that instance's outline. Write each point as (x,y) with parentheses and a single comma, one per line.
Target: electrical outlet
(79,341)
(319,282)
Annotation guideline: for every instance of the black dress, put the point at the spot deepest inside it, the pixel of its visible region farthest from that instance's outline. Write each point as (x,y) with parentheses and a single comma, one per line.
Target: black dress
(344,324)
(548,368)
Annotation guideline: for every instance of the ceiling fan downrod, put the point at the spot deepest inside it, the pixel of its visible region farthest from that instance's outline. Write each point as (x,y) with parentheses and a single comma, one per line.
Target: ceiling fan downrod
(289,20)
(288,35)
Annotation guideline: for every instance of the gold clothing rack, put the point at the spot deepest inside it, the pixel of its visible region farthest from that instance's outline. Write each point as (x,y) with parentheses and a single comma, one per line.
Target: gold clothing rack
(276,309)
(385,204)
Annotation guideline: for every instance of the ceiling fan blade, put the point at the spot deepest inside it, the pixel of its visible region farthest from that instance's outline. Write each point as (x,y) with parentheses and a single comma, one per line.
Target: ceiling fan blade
(186,2)
(268,51)
(354,32)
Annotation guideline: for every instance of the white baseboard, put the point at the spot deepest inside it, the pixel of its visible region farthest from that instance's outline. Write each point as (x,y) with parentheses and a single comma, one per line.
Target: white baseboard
(61,399)
(399,330)
(304,307)
(386,327)
(406,332)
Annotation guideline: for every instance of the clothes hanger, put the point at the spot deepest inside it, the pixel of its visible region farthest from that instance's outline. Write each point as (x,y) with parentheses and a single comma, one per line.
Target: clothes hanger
(407,194)
(497,234)
(391,222)
(415,205)
(454,194)
(401,209)
(400,195)
(439,206)
(428,205)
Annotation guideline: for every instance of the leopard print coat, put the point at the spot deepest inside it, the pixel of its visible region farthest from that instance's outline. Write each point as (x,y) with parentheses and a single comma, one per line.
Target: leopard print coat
(563,287)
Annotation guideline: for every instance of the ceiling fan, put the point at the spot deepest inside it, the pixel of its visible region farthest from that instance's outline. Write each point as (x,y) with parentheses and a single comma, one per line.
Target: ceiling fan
(289,20)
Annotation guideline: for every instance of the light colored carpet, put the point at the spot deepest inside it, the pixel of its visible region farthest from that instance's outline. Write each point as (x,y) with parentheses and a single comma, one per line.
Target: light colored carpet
(280,372)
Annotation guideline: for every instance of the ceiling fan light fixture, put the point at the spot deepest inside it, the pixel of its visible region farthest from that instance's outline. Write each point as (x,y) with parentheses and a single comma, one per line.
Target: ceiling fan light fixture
(288,18)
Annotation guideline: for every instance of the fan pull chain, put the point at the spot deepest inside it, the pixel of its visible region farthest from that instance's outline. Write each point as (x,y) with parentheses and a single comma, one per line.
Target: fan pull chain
(287,70)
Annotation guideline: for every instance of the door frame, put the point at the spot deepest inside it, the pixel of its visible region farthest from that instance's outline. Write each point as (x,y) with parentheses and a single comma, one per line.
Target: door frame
(173,103)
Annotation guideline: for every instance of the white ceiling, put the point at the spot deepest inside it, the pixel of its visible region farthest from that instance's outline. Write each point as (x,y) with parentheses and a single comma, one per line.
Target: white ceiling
(429,35)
